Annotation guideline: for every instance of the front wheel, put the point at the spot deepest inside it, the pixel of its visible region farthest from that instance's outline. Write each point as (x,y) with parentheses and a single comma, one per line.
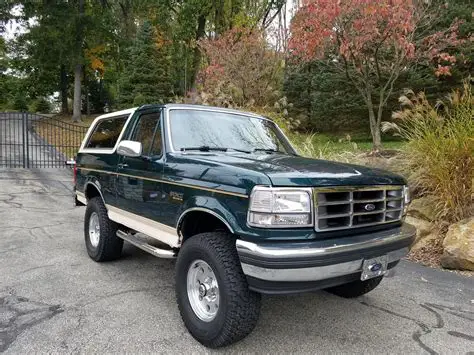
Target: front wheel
(213,297)
(355,288)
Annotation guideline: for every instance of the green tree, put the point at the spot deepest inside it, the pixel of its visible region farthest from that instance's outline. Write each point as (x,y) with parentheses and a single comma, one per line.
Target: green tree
(194,20)
(11,87)
(322,98)
(146,78)
(42,53)
(89,43)
(51,53)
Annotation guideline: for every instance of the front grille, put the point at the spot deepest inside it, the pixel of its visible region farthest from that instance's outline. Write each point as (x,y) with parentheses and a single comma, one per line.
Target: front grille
(353,207)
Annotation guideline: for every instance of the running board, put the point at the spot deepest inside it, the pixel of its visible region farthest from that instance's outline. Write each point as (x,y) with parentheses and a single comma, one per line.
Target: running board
(160,253)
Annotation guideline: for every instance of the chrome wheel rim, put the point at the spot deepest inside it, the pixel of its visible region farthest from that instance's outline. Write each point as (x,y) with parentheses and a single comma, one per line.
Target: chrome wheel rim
(94,229)
(203,290)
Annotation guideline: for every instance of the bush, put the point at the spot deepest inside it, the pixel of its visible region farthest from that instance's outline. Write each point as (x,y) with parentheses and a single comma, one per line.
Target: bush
(242,70)
(139,100)
(20,103)
(42,105)
(440,150)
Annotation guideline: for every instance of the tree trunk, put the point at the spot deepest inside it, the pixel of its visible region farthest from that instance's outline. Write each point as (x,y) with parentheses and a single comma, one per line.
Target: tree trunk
(197,53)
(379,120)
(63,90)
(101,96)
(76,112)
(219,17)
(88,101)
(374,125)
(376,138)
(128,19)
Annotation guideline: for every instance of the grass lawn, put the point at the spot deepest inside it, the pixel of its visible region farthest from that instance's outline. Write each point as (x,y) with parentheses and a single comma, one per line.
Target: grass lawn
(341,143)
(326,146)
(86,121)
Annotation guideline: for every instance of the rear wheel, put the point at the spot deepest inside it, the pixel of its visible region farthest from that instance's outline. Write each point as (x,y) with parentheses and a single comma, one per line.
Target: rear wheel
(213,297)
(102,243)
(355,288)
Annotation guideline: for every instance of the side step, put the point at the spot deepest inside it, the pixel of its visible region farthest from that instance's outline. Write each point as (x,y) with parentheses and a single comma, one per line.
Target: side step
(142,244)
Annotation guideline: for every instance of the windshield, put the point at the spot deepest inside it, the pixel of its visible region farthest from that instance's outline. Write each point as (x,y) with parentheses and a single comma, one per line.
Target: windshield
(207,130)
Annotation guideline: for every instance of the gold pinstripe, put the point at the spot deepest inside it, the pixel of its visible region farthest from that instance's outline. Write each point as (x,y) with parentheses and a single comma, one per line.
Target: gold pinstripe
(166,182)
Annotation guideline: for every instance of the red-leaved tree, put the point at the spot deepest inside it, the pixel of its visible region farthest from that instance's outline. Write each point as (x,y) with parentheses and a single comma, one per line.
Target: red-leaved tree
(242,69)
(371,42)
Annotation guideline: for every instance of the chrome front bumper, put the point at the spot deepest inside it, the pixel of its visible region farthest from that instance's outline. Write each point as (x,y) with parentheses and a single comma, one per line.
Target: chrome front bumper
(327,259)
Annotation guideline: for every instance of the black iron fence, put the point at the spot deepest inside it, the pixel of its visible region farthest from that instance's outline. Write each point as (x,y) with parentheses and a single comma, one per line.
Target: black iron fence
(33,141)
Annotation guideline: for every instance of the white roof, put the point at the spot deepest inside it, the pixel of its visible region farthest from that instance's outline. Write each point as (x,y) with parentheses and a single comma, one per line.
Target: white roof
(117,113)
(211,108)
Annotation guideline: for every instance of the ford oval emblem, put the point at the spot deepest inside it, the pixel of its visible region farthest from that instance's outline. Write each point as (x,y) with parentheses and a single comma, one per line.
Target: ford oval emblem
(375,267)
(369,207)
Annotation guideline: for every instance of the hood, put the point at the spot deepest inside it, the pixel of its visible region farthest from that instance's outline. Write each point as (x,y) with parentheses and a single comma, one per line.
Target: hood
(287,170)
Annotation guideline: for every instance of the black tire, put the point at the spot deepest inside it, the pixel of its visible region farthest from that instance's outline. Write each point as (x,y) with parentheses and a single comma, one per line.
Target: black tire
(109,246)
(239,308)
(355,288)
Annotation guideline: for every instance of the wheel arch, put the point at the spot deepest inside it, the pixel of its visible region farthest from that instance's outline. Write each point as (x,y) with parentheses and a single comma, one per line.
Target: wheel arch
(91,190)
(195,220)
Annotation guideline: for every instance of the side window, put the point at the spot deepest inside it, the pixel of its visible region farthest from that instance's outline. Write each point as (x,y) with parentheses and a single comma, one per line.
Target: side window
(148,133)
(106,133)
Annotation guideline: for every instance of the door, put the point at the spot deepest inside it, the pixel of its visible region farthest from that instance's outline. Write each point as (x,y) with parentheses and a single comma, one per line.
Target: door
(139,187)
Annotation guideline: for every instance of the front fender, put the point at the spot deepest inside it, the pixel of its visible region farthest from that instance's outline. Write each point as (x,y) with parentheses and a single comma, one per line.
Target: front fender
(228,210)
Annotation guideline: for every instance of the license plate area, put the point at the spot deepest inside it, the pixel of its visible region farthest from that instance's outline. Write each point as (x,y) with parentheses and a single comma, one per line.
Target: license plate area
(374,267)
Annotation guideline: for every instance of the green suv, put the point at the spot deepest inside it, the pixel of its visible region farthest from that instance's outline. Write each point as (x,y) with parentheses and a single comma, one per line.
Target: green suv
(225,193)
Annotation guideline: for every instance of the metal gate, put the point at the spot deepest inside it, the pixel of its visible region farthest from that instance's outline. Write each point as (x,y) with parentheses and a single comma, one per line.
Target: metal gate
(33,141)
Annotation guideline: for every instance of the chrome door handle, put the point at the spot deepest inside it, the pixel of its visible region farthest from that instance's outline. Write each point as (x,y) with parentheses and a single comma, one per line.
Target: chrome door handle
(121,166)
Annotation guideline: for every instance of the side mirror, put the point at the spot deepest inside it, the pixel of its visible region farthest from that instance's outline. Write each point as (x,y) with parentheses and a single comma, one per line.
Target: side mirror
(129,149)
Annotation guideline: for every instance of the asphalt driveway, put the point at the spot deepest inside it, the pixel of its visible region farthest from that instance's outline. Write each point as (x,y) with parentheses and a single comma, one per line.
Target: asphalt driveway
(53,298)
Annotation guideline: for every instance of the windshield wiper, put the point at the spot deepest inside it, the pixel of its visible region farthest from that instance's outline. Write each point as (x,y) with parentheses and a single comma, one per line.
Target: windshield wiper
(240,150)
(206,148)
(267,150)
(271,150)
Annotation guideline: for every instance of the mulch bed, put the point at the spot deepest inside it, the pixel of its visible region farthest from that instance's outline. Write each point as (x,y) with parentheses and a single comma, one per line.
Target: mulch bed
(430,255)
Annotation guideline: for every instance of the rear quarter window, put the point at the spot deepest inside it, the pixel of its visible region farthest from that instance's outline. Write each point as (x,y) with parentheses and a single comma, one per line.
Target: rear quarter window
(106,133)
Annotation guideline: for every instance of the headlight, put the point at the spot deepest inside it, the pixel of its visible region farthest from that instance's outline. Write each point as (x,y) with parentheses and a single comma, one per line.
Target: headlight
(280,207)
(406,199)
